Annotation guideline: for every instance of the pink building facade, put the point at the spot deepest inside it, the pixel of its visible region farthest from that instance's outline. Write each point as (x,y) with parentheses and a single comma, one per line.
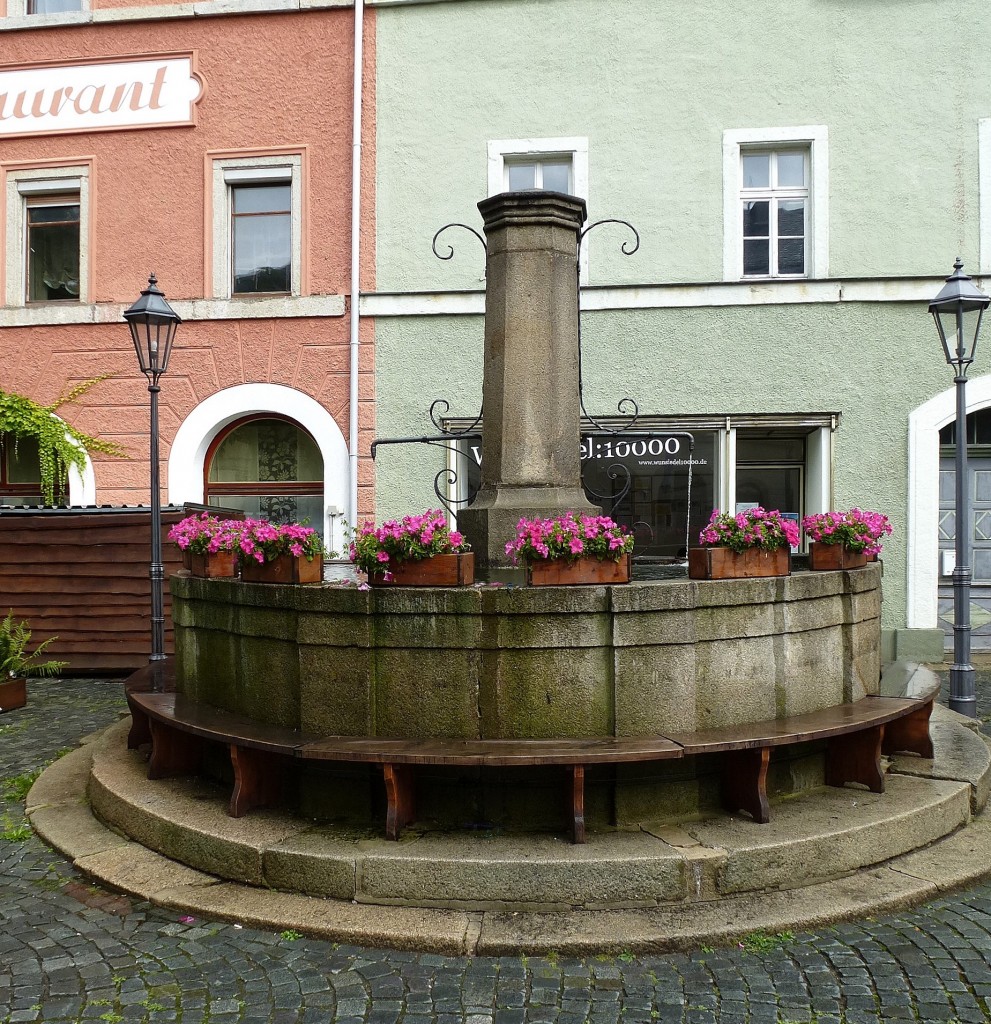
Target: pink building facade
(217,152)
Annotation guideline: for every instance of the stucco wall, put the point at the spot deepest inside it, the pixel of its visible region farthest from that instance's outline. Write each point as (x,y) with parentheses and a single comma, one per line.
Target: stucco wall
(872,364)
(652,84)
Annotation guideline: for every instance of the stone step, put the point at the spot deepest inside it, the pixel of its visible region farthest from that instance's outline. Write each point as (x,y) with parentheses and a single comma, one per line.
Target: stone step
(812,838)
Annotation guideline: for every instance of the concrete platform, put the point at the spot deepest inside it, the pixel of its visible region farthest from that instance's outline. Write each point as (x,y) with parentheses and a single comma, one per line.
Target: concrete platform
(826,855)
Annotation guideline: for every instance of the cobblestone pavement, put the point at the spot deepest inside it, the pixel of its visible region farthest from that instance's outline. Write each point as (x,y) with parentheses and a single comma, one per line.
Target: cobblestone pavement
(70,951)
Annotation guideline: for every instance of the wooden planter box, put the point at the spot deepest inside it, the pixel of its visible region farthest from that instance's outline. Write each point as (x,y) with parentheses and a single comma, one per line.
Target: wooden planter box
(725,564)
(436,571)
(284,569)
(13,694)
(212,564)
(560,573)
(833,557)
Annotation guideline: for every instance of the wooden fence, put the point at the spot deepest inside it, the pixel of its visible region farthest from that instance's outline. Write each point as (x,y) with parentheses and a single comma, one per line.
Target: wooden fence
(82,575)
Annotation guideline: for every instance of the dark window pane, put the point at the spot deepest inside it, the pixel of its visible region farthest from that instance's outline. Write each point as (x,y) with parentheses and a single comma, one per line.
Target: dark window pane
(756,219)
(769,449)
(791,217)
(791,256)
(262,253)
(23,463)
(262,199)
(53,253)
(756,257)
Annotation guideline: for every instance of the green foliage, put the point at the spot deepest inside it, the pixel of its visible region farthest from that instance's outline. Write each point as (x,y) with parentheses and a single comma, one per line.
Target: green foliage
(290,935)
(59,444)
(11,833)
(762,942)
(14,657)
(16,786)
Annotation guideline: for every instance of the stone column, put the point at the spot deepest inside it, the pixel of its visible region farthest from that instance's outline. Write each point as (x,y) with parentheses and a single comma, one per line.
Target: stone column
(531,438)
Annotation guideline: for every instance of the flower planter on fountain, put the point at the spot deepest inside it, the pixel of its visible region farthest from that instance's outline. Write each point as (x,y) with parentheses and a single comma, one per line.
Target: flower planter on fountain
(844,540)
(419,551)
(572,549)
(751,544)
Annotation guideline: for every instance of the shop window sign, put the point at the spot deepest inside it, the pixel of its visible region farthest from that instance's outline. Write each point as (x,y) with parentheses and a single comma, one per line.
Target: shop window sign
(655,505)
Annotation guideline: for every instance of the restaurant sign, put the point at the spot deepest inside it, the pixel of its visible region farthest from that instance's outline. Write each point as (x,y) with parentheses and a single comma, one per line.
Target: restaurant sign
(97,96)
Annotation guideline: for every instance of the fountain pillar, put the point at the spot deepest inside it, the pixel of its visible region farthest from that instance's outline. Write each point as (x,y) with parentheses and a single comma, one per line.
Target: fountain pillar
(531,437)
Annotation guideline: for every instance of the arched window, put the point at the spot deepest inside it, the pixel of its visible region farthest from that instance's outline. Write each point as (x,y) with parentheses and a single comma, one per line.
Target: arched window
(268,467)
(20,472)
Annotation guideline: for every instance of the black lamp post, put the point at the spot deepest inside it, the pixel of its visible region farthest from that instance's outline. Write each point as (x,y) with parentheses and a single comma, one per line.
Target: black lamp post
(153,324)
(958,310)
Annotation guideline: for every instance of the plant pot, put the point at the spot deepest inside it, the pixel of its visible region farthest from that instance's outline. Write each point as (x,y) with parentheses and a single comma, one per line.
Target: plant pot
(283,569)
(435,571)
(588,570)
(187,558)
(833,557)
(213,564)
(726,564)
(13,694)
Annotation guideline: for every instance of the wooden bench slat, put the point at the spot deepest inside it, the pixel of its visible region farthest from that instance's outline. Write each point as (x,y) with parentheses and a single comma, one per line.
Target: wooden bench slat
(498,753)
(815,725)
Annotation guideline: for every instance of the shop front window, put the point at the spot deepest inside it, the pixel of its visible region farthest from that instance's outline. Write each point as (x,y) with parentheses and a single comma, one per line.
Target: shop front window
(770,472)
(269,468)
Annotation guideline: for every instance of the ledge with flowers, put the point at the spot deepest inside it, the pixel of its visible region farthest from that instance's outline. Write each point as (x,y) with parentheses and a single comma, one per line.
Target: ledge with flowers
(261,551)
(759,542)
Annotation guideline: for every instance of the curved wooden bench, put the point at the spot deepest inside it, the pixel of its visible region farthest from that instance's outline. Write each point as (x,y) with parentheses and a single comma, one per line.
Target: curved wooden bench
(856,736)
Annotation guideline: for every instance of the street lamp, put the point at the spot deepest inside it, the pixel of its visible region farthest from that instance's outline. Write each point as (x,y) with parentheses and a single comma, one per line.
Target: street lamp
(958,310)
(153,324)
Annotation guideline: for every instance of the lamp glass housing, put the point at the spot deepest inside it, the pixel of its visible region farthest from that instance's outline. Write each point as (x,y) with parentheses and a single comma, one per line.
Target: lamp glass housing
(152,322)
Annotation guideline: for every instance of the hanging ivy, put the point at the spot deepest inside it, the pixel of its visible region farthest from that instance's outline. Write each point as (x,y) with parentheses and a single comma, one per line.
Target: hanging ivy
(59,444)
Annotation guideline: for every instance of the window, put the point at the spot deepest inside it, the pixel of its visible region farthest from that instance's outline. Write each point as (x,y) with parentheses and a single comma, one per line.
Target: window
(557,164)
(52,248)
(775,203)
(268,467)
(20,471)
(53,6)
(257,225)
(775,197)
(47,235)
(261,238)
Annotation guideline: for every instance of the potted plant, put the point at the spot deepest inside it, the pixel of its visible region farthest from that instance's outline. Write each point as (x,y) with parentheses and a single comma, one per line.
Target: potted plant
(754,542)
(418,551)
(572,549)
(844,540)
(16,664)
(269,553)
(209,545)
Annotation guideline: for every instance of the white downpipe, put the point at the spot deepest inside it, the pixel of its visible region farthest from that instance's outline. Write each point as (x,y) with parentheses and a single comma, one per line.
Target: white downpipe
(359,17)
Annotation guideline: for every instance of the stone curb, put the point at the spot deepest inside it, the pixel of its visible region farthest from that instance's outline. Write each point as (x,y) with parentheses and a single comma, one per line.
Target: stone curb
(59,811)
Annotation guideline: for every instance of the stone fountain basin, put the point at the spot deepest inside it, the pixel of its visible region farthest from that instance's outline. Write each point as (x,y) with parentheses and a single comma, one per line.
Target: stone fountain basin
(514,663)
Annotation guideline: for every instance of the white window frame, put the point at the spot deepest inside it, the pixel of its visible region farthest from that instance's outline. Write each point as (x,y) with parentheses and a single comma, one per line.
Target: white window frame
(28,183)
(231,172)
(502,152)
(814,138)
(984,190)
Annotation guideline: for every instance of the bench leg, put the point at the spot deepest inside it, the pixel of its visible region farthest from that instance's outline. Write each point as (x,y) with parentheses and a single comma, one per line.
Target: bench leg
(856,757)
(173,752)
(400,796)
(258,778)
(910,733)
(745,782)
(577,803)
(140,732)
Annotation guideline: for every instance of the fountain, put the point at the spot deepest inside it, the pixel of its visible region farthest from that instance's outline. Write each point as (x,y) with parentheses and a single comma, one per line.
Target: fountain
(744,694)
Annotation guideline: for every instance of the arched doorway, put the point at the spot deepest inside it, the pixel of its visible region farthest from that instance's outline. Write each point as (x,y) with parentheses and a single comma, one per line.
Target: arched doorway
(188,458)
(979,475)
(268,467)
